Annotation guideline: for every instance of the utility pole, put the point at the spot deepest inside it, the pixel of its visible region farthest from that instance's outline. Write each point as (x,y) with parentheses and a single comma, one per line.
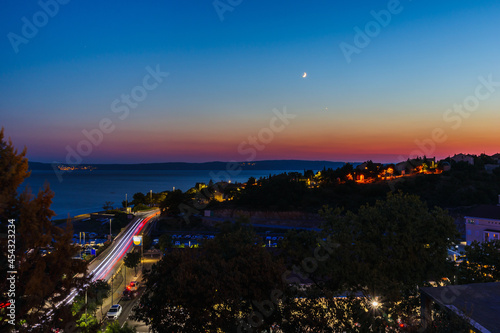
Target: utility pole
(82,245)
(112,292)
(142,252)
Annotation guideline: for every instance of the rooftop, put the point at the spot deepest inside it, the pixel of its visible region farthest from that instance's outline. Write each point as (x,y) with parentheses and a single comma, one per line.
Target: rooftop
(478,301)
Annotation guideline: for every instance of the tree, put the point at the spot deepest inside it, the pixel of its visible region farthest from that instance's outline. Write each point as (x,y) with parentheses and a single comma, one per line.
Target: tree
(108,205)
(139,198)
(13,172)
(132,260)
(87,323)
(115,327)
(43,279)
(216,287)
(165,242)
(481,263)
(251,181)
(173,201)
(146,242)
(140,207)
(385,251)
(97,291)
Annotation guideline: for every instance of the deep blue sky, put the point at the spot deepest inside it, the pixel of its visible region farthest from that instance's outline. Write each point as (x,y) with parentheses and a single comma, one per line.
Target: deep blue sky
(226,77)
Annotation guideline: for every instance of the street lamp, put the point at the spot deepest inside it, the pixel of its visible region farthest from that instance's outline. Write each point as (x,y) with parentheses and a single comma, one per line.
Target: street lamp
(81,245)
(375,304)
(110,235)
(112,276)
(150,198)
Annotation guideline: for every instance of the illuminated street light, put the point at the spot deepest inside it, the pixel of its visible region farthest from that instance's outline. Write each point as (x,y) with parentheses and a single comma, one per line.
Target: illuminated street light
(375,303)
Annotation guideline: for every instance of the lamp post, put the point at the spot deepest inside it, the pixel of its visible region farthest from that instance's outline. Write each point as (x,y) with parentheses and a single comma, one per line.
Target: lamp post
(81,245)
(126,203)
(150,198)
(112,292)
(110,235)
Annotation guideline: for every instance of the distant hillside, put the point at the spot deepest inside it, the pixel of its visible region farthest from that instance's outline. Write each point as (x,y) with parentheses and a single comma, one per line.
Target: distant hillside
(257,165)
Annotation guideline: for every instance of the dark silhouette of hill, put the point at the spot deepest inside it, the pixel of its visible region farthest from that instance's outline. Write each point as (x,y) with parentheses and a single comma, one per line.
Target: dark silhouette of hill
(216,165)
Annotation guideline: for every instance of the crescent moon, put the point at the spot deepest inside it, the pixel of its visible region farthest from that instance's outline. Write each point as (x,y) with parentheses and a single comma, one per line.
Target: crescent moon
(304,75)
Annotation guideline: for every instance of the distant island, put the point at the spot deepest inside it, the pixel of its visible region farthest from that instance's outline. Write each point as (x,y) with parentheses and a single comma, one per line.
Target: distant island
(217,165)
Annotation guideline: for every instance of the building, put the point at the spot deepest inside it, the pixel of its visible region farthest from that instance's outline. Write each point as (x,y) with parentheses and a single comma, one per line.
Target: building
(463,158)
(409,166)
(482,223)
(491,167)
(476,304)
(496,158)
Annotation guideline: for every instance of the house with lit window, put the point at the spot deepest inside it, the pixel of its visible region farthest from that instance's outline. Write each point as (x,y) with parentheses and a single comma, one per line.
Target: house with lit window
(482,223)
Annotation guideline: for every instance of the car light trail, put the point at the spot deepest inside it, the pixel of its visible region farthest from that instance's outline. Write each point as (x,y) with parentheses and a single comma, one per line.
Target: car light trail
(107,264)
(102,270)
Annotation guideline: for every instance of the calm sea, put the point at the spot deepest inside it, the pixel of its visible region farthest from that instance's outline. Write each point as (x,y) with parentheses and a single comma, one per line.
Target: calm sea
(86,191)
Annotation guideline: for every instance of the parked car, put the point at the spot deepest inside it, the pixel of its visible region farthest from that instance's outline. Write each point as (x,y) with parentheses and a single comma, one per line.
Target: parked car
(177,243)
(114,312)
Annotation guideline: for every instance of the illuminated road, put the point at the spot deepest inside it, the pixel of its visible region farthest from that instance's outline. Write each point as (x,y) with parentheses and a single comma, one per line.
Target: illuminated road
(102,269)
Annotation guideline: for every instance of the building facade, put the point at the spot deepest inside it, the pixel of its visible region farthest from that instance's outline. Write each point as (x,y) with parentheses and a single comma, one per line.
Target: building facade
(482,224)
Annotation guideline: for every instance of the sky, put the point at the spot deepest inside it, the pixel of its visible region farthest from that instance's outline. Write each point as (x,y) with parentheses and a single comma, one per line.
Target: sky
(163,81)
